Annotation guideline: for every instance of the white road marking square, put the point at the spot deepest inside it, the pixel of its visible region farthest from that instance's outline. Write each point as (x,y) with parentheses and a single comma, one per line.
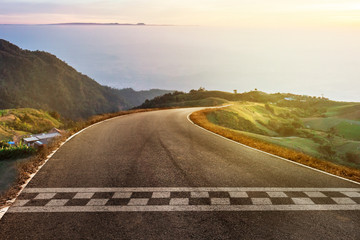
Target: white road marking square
(277,194)
(20,203)
(220,201)
(161,195)
(57,202)
(138,201)
(303,201)
(82,195)
(199,194)
(45,196)
(315,194)
(261,201)
(97,202)
(351,194)
(122,195)
(238,194)
(344,200)
(179,201)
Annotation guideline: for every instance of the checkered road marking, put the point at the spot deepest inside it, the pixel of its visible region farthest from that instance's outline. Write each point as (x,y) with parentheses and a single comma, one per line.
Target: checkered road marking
(185,199)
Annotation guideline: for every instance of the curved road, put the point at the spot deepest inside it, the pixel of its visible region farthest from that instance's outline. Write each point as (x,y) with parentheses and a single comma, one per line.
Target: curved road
(155,175)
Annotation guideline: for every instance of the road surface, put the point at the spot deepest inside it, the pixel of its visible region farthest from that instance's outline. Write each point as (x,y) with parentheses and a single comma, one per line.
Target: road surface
(155,175)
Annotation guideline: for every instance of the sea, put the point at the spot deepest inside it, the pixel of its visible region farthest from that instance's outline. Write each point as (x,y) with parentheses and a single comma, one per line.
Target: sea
(315,62)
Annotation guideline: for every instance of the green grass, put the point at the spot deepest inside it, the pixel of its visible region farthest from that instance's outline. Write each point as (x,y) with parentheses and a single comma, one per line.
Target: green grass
(345,110)
(300,144)
(255,117)
(349,129)
(305,132)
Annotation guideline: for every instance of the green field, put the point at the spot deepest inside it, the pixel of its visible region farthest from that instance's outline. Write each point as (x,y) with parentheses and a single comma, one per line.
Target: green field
(332,134)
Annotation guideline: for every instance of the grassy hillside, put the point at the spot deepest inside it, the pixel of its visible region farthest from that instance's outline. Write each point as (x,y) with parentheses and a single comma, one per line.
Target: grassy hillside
(332,133)
(192,99)
(23,121)
(40,80)
(197,97)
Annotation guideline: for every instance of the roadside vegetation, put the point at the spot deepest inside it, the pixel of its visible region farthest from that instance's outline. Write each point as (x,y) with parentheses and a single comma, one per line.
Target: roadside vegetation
(201,118)
(312,130)
(14,152)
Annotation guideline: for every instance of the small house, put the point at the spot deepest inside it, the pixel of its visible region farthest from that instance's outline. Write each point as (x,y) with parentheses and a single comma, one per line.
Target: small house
(40,139)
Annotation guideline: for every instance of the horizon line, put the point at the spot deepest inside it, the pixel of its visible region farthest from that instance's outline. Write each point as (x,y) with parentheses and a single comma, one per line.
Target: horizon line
(97,23)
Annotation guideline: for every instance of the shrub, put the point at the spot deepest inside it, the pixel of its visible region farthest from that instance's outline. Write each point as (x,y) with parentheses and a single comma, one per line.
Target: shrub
(317,139)
(297,123)
(352,157)
(269,108)
(26,118)
(327,150)
(55,115)
(16,152)
(287,130)
(4,144)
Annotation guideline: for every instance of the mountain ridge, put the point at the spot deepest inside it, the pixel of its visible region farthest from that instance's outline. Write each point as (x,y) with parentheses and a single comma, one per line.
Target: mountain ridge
(40,80)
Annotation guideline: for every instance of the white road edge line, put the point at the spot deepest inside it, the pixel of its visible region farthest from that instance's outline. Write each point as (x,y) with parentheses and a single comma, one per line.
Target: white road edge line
(192,208)
(5,209)
(300,164)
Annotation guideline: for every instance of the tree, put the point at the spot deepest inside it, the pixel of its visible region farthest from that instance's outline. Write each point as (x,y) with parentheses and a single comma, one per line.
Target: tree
(55,115)
(270,109)
(352,157)
(331,134)
(327,150)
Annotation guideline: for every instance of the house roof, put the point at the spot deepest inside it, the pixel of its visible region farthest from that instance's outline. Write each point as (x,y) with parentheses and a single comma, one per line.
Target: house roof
(31,139)
(47,135)
(43,136)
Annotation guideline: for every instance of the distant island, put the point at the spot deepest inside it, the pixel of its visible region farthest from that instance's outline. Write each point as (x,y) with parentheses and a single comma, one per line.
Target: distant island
(120,24)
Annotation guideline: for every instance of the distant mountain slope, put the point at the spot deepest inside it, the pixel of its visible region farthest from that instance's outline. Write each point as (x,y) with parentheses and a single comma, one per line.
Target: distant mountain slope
(136,98)
(40,80)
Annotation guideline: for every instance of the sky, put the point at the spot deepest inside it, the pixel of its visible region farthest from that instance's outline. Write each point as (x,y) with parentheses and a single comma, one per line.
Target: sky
(242,13)
(301,46)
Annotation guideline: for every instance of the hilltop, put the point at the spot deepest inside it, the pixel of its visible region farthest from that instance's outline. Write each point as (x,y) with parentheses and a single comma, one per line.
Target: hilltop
(202,97)
(36,79)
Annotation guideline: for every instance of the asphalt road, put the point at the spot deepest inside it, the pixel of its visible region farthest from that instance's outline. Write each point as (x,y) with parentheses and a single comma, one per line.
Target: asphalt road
(155,175)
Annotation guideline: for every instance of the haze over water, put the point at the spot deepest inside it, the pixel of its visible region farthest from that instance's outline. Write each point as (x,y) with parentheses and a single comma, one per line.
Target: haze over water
(311,62)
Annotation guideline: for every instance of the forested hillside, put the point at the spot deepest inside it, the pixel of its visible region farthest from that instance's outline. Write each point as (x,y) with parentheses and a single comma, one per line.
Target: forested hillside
(40,80)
